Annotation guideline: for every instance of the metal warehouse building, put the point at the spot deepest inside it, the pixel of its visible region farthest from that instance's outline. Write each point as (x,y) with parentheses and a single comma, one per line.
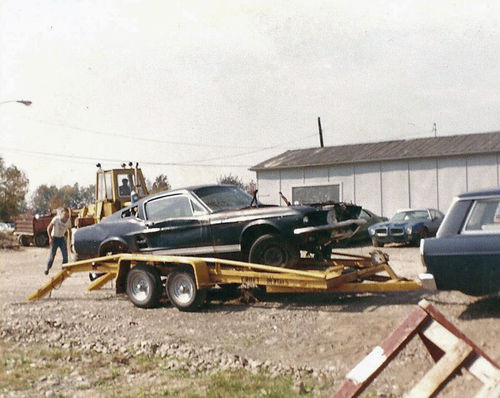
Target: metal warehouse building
(384,176)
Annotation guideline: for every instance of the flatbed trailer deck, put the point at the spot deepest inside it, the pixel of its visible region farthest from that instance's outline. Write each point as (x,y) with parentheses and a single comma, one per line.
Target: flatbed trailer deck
(144,277)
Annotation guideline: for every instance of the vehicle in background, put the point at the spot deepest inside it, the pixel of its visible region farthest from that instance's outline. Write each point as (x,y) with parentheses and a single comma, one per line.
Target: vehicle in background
(219,221)
(114,190)
(406,226)
(465,254)
(30,228)
(371,219)
(7,227)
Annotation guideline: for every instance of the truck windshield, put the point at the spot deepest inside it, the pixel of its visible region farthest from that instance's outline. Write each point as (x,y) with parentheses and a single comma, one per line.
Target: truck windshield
(221,197)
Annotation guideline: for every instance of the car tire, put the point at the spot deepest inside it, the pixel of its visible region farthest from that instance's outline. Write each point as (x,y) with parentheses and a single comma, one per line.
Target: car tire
(144,287)
(41,239)
(424,234)
(182,290)
(376,243)
(272,249)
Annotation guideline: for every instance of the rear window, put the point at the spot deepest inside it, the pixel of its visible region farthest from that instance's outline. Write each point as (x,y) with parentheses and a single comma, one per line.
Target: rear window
(484,216)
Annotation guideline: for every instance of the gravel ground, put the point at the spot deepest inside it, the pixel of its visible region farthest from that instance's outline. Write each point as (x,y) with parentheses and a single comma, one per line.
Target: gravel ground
(320,336)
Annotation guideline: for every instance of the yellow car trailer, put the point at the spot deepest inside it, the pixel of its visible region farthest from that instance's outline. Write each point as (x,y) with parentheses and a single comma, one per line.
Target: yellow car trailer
(144,277)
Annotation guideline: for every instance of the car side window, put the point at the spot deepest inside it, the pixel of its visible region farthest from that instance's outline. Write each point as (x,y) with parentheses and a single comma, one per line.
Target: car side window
(484,216)
(168,207)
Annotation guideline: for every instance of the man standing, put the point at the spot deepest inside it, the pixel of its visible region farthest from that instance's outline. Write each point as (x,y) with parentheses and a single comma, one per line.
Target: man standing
(56,230)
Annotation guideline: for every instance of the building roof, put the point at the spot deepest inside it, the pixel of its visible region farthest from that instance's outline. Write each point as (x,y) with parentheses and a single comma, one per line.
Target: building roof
(434,147)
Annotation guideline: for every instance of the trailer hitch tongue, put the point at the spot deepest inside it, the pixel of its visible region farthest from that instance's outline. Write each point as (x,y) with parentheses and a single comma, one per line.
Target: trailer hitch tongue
(379,257)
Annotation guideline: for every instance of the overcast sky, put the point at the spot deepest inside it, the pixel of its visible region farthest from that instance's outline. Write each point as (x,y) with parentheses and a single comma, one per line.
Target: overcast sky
(195,90)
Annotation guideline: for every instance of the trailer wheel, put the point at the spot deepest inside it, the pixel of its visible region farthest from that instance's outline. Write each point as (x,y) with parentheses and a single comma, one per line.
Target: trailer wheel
(41,239)
(144,287)
(272,249)
(182,291)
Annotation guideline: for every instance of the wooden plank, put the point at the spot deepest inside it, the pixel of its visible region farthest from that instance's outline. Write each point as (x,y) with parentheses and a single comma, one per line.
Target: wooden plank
(484,370)
(440,336)
(439,374)
(489,391)
(439,317)
(362,375)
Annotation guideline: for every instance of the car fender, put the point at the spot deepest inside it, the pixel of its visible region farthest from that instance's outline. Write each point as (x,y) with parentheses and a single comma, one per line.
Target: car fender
(113,240)
(259,224)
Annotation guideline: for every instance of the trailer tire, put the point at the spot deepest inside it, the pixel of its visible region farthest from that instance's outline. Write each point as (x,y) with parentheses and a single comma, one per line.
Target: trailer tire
(182,291)
(41,239)
(144,287)
(272,249)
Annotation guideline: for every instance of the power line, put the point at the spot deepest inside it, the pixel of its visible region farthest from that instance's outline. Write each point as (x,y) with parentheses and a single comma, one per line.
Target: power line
(145,139)
(147,162)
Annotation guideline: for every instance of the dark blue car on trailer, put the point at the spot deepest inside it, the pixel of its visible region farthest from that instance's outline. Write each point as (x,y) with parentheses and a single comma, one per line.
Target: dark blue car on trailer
(465,254)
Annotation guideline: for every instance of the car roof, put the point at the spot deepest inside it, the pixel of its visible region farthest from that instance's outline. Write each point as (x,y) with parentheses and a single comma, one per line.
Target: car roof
(181,190)
(418,209)
(494,192)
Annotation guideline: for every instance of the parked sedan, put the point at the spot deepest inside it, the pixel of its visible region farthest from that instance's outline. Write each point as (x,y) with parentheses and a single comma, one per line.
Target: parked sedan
(406,226)
(219,221)
(465,255)
(371,219)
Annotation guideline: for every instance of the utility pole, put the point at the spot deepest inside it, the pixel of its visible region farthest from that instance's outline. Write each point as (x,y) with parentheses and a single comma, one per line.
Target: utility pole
(320,133)
(435,130)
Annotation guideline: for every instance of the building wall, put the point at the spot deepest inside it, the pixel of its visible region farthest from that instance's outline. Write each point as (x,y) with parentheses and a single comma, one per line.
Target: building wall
(385,187)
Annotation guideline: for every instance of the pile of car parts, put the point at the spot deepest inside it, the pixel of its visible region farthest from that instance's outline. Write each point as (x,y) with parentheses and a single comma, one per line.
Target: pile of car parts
(145,277)
(449,348)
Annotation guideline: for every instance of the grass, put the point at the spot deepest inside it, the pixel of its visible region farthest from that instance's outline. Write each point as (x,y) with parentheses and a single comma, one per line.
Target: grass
(33,370)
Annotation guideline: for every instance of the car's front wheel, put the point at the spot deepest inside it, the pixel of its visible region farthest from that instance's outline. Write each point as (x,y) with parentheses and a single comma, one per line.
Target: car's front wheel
(272,249)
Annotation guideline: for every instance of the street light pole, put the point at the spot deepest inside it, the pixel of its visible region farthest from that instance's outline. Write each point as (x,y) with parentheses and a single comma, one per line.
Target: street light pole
(24,102)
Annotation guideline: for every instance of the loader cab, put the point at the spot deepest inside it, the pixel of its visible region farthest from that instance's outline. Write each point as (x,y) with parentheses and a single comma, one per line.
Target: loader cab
(116,188)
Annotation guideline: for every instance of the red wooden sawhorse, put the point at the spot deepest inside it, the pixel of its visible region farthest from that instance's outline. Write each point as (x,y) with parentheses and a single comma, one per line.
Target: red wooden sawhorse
(448,347)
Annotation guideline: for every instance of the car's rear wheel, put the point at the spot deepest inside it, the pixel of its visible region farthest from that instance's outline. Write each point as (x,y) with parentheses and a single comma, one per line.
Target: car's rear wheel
(424,234)
(182,291)
(144,287)
(272,249)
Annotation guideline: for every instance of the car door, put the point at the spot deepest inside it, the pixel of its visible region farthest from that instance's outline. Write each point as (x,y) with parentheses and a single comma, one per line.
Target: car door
(470,260)
(176,225)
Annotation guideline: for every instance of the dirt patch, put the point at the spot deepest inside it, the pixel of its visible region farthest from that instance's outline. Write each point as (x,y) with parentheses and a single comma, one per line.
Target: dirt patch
(320,336)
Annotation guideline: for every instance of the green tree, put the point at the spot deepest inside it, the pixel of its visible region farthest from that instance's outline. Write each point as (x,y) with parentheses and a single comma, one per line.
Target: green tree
(161,184)
(229,179)
(47,198)
(13,189)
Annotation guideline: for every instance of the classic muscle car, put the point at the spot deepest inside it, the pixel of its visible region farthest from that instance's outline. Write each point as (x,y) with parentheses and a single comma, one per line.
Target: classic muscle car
(406,226)
(218,221)
(465,255)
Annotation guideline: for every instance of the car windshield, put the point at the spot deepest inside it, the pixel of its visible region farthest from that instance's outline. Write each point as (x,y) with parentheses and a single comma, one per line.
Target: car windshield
(222,197)
(403,216)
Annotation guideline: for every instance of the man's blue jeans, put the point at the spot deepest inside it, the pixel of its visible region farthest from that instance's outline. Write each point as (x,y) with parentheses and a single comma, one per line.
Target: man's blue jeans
(61,244)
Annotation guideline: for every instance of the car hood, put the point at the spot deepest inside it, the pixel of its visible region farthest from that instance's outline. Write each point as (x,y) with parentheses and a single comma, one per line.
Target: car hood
(396,225)
(258,212)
